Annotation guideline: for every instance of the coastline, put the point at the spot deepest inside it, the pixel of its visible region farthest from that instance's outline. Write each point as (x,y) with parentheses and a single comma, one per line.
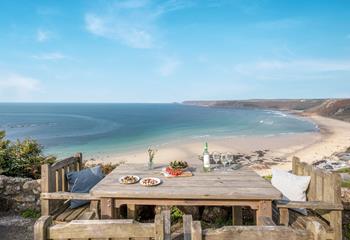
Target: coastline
(333,136)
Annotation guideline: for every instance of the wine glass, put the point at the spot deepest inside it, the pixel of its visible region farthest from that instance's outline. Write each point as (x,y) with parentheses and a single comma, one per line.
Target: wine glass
(224,160)
(216,158)
(229,156)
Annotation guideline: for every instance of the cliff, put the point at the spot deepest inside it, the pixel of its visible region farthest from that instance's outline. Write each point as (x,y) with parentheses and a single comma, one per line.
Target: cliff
(333,108)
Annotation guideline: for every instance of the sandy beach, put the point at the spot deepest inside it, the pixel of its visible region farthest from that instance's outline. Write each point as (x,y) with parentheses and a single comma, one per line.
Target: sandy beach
(334,136)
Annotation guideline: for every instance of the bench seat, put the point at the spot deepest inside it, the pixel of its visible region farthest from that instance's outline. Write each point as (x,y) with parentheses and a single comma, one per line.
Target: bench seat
(67,214)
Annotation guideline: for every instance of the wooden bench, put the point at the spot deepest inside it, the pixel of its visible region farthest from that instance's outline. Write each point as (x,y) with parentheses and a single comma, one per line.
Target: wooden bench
(103,229)
(268,231)
(323,202)
(55,194)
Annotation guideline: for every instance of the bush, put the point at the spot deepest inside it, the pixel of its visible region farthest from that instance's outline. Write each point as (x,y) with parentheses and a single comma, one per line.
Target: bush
(22,158)
(30,213)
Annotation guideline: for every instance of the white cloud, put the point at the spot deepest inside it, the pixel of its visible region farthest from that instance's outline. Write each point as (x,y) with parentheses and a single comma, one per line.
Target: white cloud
(132,23)
(42,35)
(169,67)
(50,56)
(293,69)
(17,87)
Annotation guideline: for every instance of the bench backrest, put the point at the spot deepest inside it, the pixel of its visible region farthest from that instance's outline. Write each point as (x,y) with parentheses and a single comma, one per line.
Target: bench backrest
(103,229)
(193,231)
(324,186)
(53,179)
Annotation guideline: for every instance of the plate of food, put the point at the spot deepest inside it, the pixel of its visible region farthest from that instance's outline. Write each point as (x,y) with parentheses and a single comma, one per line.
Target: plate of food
(178,165)
(129,179)
(150,181)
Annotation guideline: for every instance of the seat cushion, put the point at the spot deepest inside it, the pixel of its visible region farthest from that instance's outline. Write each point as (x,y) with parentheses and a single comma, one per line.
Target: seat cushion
(82,181)
(292,187)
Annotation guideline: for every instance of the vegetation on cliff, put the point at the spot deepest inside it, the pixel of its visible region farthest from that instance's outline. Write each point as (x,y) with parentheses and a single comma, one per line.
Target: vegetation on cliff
(22,158)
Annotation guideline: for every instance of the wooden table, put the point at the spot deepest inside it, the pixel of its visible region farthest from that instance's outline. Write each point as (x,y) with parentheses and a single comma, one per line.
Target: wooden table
(241,187)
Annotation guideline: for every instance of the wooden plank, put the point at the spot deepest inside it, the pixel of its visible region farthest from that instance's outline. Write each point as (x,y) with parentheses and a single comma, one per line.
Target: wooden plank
(237,215)
(335,221)
(319,185)
(131,211)
(101,229)
(187,227)
(336,183)
(67,195)
(256,233)
(196,229)
(74,215)
(167,225)
(314,205)
(64,179)
(107,208)
(159,227)
(41,226)
(62,217)
(266,221)
(264,210)
(45,188)
(284,216)
(63,163)
(254,204)
(311,193)
(295,162)
(58,178)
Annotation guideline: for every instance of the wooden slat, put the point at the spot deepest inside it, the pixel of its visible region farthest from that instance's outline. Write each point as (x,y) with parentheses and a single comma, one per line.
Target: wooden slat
(314,205)
(311,193)
(266,221)
(167,224)
(101,229)
(295,165)
(76,213)
(63,163)
(196,230)
(187,227)
(58,178)
(159,227)
(64,179)
(67,195)
(319,185)
(256,233)
(237,217)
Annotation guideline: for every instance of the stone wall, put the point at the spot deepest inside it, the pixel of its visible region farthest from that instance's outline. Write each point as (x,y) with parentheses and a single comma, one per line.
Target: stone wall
(18,194)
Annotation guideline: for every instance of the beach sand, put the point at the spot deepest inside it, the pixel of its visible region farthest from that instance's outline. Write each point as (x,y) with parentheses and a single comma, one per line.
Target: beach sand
(334,136)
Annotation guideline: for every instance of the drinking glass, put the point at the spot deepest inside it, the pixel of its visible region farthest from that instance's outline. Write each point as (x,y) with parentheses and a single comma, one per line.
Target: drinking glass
(224,160)
(229,156)
(216,158)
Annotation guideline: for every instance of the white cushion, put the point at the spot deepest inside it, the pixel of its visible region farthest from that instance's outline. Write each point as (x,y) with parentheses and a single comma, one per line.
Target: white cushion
(292,187)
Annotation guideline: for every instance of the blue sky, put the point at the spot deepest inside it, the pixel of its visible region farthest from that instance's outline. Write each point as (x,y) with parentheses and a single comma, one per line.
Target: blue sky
(173,50)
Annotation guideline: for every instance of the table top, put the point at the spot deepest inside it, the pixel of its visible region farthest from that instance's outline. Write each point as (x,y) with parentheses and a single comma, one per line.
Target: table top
(242,184)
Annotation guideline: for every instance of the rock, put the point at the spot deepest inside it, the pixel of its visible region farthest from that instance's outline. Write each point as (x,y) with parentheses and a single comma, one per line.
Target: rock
(190,210)
(215,214)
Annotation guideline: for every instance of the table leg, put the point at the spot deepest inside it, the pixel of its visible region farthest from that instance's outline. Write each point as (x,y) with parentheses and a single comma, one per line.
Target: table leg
(237,215)
(131,211)
(107,208)
(264,210)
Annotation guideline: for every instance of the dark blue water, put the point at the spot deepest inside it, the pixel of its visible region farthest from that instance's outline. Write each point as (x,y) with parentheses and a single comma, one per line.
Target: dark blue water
(68,128)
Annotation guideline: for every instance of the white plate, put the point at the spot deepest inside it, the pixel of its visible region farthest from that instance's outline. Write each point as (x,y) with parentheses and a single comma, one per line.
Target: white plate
(157,182)
(122,177)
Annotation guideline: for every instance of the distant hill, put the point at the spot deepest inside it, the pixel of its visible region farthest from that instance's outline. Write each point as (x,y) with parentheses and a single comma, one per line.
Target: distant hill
(334,108)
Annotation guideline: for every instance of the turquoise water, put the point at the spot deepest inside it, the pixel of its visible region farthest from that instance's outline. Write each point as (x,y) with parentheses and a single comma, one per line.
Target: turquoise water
(92,128)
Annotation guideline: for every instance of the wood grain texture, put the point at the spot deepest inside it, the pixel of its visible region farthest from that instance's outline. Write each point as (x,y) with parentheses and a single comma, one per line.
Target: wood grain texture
(241,184)
(40,227)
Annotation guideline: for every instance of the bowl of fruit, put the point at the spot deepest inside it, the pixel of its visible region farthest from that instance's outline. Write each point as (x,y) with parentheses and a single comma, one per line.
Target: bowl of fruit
(178,165)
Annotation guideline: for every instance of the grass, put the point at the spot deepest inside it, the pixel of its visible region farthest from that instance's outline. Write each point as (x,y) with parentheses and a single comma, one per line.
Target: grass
(30,213)
(176,214)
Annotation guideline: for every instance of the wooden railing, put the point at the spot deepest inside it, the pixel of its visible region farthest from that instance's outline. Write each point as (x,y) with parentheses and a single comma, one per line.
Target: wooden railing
(103,229)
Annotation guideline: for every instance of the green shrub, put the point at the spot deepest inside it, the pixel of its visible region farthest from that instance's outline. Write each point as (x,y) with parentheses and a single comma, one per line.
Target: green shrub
(31,213)
(22,158)
(176,214)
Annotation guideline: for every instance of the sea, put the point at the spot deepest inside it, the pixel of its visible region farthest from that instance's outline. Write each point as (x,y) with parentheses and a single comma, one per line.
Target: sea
(66,128)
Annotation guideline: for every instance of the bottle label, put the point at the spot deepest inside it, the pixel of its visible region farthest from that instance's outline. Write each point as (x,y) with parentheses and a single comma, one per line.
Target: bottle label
(206,161)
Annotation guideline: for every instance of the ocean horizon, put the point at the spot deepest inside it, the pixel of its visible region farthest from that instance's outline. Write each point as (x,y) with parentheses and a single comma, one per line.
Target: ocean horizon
(65,128)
